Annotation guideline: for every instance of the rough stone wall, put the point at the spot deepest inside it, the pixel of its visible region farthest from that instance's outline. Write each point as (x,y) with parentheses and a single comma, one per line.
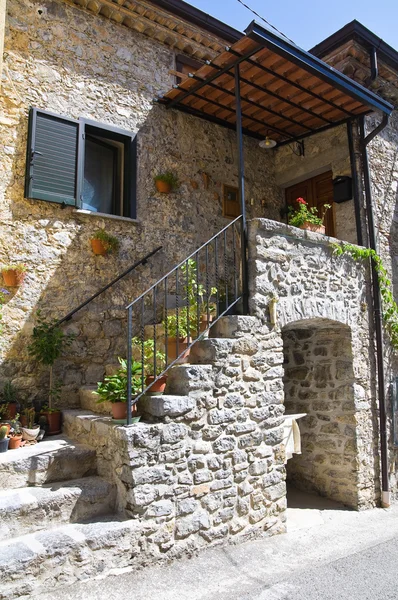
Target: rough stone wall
(311,283)
(73,63)
(213,469)
(327,151)
(383,161)
(318,380)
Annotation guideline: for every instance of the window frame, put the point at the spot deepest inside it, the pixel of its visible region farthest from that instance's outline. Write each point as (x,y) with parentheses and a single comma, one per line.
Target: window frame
(128,138)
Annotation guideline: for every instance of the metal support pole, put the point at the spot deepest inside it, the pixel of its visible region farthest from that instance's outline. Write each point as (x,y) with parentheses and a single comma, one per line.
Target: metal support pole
(378,317)
(129,361)
(355,186)
(241,179)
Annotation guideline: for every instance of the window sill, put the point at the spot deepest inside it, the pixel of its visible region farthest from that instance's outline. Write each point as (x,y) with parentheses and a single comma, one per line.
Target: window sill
(92,213)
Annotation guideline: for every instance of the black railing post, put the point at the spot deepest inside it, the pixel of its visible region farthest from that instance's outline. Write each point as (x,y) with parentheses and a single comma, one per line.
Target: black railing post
(241,181)
(129,361)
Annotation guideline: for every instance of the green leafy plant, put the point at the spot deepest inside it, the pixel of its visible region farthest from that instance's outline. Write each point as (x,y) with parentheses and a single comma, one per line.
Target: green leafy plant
(3,432)
(110,242)
(148,348)
(3,411)
(9,393)
(168,177)
(15,425)
(114,387)
(19,267)
(48,343)
(389,306)
(303,214)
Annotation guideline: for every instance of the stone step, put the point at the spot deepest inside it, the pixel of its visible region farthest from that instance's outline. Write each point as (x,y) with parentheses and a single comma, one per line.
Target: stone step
(26,510)
(88,401)
(234,326)
(45,560)
(211,351)
(54,459)
(184,379)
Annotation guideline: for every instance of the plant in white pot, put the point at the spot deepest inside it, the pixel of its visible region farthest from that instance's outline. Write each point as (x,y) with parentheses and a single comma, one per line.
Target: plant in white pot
(32,430)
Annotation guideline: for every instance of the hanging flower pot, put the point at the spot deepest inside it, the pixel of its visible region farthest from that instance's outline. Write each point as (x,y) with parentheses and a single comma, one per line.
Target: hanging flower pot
(166,182)
(103,243)
(13,275)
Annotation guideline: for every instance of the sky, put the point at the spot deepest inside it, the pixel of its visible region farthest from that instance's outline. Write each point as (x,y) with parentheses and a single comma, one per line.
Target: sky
(308,22)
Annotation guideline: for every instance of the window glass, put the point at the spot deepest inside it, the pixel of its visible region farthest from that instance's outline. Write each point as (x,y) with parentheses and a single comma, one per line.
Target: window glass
(100,162)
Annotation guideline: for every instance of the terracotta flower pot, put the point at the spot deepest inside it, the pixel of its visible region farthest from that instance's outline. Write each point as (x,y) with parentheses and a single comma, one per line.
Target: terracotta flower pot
(4,444)
(98,247)
(204,322)
(158,387)
(314,228)
(119,410)
(15,442)
(163,187)
(30,434)
(12,410)
(182,347)
(54,422)
(13,278)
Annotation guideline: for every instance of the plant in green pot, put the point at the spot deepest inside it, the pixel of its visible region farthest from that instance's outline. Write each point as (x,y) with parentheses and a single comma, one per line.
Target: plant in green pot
(146,353)
(4,440)
(48,343)
(114,389)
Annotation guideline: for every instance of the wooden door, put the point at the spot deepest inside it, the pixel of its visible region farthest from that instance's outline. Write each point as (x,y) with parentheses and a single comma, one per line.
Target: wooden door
(317,191)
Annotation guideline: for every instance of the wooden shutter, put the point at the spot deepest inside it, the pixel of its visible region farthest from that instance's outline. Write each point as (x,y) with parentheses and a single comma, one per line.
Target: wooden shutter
(52,155)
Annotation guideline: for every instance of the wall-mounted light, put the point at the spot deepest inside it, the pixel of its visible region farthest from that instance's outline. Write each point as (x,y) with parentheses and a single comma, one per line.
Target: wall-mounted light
(267,143)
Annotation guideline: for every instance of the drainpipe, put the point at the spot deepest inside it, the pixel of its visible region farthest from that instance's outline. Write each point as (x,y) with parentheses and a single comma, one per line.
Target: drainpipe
(378,318)
(355,187)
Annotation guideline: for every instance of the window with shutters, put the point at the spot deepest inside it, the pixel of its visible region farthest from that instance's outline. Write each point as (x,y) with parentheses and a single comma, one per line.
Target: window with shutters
(81,163)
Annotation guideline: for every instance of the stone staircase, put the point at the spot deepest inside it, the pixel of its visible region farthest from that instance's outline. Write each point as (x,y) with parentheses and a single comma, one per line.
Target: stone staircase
(68,510)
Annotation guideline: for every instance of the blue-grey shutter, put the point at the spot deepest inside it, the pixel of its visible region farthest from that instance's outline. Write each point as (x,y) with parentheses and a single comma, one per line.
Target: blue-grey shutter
(52,157)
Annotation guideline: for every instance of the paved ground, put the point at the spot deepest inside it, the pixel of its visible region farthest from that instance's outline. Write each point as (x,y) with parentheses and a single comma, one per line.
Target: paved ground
(328,554)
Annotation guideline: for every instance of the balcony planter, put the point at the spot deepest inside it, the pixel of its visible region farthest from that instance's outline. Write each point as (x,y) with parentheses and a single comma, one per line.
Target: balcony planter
(315,228)
(182,347)
(158,386)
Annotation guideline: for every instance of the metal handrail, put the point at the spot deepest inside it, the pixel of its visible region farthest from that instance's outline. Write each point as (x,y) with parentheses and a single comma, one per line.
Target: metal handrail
(193,279)
(142,261)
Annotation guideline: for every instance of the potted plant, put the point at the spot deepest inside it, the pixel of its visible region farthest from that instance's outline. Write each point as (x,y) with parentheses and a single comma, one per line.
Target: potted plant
(10,399)
(178,328)
(4,440)
(147,352)
(52,416)
(114,389)
(31,431)
(104,243)
(15,436)
(166,182)
(307,218)
(13,275)
(48,343)
(3,417)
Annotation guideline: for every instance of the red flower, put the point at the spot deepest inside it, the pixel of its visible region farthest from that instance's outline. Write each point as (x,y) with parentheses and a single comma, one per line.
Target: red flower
(300,201)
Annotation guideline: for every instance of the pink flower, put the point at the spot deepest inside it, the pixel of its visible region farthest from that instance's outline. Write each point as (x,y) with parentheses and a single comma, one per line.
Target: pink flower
(300,201)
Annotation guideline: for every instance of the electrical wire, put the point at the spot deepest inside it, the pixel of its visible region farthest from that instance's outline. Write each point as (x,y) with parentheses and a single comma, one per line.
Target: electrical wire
(265,21)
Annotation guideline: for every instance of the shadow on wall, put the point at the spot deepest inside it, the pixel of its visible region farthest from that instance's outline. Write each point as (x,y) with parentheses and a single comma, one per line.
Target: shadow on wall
(319,381)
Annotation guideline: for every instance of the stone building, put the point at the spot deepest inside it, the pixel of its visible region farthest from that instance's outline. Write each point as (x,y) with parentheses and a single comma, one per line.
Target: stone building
(206,464)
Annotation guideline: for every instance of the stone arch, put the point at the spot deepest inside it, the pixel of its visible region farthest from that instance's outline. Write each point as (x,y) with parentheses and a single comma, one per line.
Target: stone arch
(319,381)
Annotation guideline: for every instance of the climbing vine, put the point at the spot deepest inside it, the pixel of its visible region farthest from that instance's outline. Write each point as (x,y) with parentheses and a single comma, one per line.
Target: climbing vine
(389,306)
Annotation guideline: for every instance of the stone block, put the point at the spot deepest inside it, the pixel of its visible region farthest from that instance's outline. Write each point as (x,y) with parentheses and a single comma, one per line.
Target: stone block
(211,350)
(166,405)
(224,444)
(173,433)
(161,508)
(192,524)
(186,506)
(202,476)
